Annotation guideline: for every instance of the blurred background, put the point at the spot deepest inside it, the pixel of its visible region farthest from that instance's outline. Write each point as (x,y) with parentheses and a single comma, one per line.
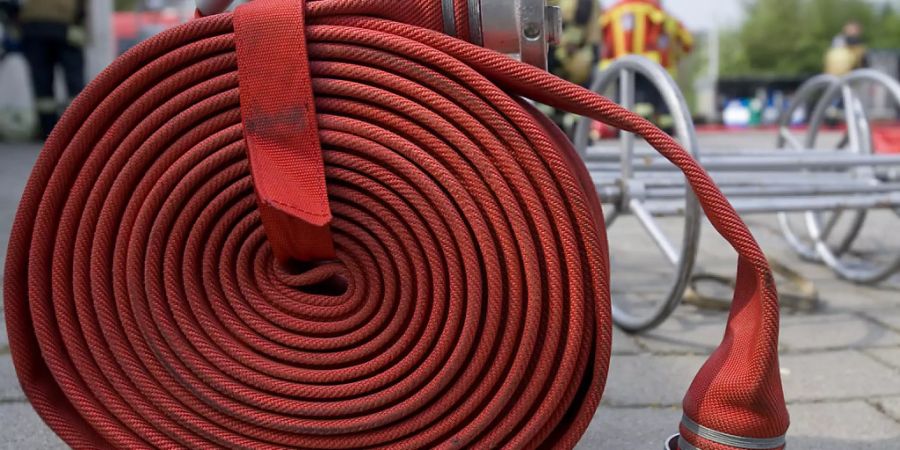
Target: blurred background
(66,37)
(744,61)
(764,49)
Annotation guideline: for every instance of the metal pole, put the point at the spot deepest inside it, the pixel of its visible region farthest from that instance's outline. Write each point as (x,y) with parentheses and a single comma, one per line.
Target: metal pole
(787,162)
(627,94)
(606,152)
(646,218)
(782,178)
(100,49)
(779,191)
(754,205)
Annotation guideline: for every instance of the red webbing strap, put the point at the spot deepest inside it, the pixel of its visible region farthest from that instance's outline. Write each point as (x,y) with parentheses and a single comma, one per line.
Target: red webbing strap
(279,117)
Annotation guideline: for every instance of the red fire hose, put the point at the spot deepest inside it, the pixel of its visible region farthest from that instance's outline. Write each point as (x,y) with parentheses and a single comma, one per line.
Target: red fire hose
(467,303)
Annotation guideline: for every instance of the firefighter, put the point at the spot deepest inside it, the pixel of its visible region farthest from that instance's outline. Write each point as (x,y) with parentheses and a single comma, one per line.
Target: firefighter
(578,51)
(9,39)
(53,34)
(846,54)
(847,51)
(576,56)
(643,27)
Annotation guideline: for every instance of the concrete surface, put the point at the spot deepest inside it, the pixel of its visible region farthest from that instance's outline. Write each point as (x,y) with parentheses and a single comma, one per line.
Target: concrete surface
(840,363)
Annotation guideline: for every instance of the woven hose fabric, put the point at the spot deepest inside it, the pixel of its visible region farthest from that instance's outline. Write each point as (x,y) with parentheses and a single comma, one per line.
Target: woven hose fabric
(468,305)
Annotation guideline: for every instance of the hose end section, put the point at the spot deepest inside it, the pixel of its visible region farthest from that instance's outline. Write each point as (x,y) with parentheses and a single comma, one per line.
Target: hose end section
(696,437)
(736,401)
(676,442)
(278,114)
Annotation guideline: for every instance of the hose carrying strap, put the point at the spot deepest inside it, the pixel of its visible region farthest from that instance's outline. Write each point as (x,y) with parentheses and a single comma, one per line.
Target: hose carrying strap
(467,304)
(279,117)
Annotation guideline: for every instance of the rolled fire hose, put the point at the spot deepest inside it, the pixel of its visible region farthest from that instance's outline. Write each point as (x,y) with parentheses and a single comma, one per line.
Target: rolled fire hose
(452,291)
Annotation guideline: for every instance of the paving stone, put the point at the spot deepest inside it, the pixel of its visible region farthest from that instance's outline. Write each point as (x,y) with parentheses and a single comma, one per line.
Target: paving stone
(689,331)
(9,383)
(833,331)
(650,380)
(890,406)
(625,428)
(15,166)
(4,337)
(841,296)
(23,429)
(841,426)
(624,343)
(890,356)
(20,427)
(836,375)
(889,317)
(695,331)
(6,218)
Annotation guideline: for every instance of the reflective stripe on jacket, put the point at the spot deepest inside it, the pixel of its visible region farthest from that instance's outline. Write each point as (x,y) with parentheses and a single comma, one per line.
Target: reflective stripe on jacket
(68,12)
(641,27)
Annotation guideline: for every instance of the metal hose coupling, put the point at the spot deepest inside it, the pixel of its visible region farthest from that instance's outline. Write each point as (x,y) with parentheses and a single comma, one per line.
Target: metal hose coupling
(520,29)
(678,442)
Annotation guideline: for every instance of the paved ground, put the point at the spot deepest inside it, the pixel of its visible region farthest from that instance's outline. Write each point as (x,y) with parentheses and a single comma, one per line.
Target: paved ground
(840,363)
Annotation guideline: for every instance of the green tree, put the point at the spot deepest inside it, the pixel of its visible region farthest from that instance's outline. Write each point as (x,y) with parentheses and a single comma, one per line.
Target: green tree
(887,29)
(125,5)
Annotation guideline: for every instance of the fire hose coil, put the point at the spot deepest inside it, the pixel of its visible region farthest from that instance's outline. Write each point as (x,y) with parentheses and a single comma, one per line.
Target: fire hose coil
(467,303)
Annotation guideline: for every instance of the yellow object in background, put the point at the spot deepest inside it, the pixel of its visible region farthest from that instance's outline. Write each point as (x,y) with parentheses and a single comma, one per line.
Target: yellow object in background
(577,53)
(642,27)
(842,60)
(66,12)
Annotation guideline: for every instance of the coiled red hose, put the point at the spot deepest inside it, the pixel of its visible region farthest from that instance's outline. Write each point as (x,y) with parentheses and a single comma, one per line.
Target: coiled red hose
(469,302)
